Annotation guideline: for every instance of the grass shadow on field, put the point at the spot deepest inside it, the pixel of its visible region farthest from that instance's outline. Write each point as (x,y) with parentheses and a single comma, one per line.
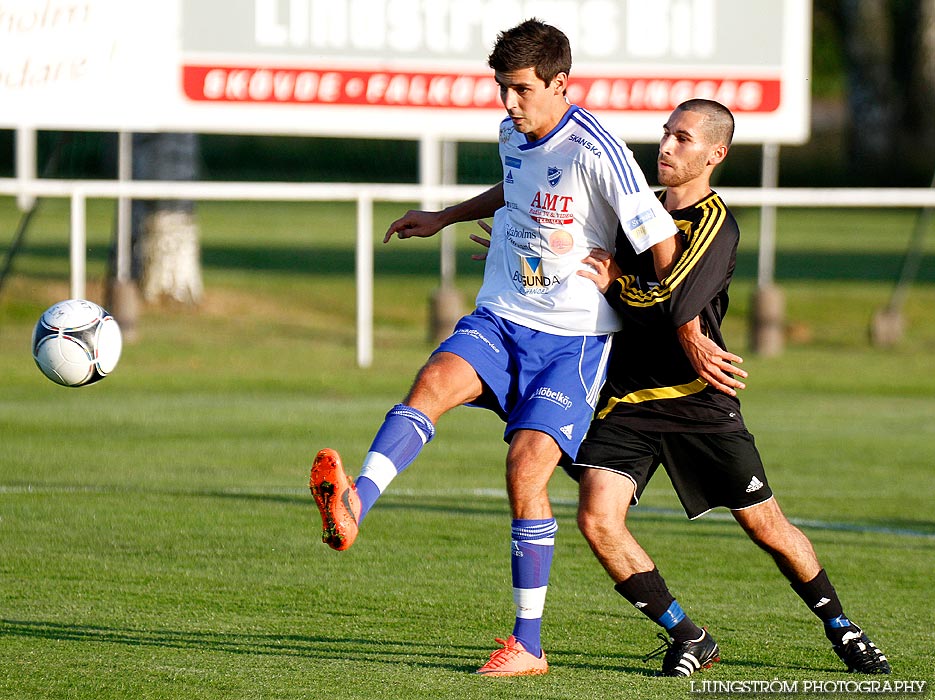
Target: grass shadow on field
(320,647)
(910,528)
(331,261)
(388,502)
(634,664)
(717,524)
(823,266)
(899,527)
(462,658)
(414,259)
(397,502)
(451,657)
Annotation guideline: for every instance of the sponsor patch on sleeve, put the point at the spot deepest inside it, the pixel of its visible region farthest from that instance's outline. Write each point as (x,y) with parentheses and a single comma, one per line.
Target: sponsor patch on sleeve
(640,219)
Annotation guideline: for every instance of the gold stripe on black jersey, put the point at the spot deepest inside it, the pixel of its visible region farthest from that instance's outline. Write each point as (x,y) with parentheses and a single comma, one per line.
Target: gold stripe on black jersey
(663,392)
(714,214)
(711,221)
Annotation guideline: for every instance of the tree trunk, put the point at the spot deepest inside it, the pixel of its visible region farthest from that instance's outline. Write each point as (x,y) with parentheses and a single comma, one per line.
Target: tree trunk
(166,250)
(868,45)
(922,89)
(171,257)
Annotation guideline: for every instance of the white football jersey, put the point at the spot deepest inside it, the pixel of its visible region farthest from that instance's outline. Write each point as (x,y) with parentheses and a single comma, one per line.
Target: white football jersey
(564,194)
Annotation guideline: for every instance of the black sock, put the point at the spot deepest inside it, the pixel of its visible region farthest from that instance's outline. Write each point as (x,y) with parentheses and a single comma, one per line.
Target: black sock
(648,593)
(820,597)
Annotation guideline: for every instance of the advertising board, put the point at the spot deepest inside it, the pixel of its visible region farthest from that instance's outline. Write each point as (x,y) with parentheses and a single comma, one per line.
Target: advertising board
(390,68)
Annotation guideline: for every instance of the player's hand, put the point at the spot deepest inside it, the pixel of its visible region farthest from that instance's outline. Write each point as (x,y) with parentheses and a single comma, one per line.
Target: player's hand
(481,241)
(602,269)
(415,224)
(710,361)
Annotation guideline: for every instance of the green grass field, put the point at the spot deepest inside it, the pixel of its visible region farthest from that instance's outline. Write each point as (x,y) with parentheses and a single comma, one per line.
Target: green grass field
(157,538)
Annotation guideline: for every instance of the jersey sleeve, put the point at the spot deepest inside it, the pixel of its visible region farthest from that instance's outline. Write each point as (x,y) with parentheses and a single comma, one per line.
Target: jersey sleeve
(702,271)
(642,217)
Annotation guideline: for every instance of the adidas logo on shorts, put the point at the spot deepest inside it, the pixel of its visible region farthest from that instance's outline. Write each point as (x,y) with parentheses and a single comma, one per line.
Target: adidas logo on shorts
(567,430)
(755,485)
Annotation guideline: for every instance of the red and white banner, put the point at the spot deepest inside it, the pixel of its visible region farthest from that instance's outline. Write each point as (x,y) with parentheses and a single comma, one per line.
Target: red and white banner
(315,85)
(391,68)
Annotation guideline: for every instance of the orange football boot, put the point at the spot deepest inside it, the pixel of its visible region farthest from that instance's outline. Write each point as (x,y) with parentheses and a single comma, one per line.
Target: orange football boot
(512,659)
(336,498)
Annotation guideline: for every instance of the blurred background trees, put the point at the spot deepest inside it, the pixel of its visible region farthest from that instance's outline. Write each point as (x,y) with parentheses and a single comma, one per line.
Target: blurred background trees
(888,50)
(873,92)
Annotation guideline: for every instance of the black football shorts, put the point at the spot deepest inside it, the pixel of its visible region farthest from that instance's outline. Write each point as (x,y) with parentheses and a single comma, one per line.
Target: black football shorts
(708,470)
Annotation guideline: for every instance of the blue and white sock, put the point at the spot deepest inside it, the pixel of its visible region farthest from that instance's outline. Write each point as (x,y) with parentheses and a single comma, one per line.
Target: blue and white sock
(532,548)
(405,431)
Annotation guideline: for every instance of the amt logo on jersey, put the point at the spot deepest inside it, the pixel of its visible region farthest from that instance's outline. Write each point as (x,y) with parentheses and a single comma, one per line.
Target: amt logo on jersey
(551,208)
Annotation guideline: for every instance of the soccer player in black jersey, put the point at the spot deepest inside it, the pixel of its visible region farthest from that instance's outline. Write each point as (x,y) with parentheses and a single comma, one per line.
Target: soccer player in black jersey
(670,399)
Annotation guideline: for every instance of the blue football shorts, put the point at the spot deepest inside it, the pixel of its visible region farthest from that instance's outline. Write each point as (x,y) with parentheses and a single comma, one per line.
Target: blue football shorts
(533,380)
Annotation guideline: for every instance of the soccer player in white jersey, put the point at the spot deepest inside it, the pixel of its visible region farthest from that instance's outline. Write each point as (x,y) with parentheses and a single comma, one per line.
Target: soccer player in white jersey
(535,348)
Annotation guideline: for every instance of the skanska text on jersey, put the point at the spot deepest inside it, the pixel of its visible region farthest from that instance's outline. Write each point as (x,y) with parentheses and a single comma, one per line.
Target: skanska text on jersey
(585,144)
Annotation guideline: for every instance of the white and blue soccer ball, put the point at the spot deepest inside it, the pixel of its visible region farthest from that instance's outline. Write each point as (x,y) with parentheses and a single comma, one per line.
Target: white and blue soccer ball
(76,342)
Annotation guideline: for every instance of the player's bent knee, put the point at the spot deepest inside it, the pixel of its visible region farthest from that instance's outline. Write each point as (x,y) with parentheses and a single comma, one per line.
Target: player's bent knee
(590,527)
(775,537)
(597,525)
(444,382)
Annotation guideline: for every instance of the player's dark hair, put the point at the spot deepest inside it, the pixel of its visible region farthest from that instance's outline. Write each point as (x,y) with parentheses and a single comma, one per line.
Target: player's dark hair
(718,125)
(532,44)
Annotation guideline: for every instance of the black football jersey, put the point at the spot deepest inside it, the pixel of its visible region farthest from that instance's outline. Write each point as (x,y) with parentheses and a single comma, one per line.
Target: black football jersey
(650,384)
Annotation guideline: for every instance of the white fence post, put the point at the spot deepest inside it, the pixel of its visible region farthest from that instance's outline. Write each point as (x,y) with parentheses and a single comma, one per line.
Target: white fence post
(78,244)
(766,259)
(366,194)
(364,272)
(25,166)
(124,207)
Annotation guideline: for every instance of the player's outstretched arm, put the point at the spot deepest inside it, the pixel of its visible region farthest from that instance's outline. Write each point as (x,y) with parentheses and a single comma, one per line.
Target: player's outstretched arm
(711,361)
(416,224)
(422,224)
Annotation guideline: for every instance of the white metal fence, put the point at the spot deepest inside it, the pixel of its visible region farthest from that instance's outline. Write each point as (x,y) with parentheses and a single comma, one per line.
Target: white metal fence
(79,191)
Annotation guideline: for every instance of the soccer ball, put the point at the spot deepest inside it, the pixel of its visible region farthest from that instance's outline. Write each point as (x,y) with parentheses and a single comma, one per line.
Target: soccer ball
(76,342)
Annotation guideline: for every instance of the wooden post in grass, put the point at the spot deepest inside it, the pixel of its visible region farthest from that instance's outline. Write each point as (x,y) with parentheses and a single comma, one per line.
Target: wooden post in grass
(768,310)
(123,292)
(769,320)
(438,165)
(888,326)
